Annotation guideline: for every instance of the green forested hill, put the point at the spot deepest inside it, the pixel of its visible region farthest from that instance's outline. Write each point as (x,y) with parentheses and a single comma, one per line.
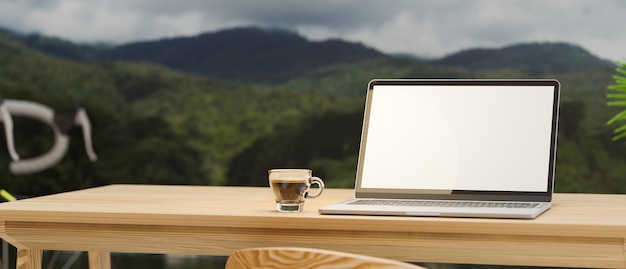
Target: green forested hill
(155,125)
(530,56)
(151,124)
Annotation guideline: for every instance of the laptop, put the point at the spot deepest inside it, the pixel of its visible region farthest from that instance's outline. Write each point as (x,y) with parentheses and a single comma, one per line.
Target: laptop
(456,148)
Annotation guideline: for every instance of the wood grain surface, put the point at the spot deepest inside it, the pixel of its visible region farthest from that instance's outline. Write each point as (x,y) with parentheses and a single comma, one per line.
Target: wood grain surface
(581,230)
(307,258)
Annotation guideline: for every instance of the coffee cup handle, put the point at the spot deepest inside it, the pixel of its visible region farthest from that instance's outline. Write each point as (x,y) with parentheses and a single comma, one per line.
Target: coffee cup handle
(320,184)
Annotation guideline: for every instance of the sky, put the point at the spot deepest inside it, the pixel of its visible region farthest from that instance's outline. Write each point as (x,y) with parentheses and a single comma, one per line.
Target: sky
(429,29)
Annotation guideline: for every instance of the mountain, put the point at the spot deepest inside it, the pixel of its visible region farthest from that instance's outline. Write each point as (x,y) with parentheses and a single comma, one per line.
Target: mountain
(243,54)
(272,56)
(246,54)
(533,56)
(62,48)
(156,125)
(57,46)
(147,121)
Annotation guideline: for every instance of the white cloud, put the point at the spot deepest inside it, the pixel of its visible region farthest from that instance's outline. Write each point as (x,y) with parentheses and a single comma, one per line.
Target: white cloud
(421,27)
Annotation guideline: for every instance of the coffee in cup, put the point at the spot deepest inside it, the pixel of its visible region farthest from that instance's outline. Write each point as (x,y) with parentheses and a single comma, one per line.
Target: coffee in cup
(291,188)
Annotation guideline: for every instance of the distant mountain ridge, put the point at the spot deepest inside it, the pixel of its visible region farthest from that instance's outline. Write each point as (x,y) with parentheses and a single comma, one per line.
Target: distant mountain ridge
(557,56)
(260,55)
(56,46)
(248,54)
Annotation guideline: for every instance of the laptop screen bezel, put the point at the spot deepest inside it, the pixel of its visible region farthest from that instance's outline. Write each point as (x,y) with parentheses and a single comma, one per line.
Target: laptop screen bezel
(546,196)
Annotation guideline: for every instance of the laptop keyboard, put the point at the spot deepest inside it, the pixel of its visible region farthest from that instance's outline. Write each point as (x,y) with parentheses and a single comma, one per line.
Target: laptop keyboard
(430,203)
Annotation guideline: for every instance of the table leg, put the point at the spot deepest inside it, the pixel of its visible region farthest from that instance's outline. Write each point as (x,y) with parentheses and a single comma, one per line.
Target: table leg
(99,260)
(29,259)
(5,254)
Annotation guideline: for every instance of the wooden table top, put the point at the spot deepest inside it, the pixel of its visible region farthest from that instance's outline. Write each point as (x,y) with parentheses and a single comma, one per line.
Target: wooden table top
(580,220)
(597,214)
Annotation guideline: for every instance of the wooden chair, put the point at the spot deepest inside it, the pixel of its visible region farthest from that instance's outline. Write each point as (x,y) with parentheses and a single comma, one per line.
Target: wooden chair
(307,258)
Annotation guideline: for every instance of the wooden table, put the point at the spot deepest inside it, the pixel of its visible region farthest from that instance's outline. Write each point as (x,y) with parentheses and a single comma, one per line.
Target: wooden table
(581,230)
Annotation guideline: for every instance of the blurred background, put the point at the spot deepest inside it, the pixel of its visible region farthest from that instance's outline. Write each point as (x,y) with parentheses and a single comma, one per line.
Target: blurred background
(217,92)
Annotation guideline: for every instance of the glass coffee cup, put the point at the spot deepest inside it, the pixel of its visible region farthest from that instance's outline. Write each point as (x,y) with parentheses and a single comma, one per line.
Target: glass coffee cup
(292,187)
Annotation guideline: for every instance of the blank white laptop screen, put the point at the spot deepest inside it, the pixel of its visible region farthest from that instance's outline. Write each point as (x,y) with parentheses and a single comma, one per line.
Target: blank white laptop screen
(442,138)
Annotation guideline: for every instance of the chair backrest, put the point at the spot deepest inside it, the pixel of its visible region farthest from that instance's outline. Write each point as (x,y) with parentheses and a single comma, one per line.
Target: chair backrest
(307,258)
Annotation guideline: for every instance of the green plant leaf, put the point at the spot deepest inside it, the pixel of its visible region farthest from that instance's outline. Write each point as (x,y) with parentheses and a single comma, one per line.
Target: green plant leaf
(616,95)
(620,129)
(619,116)
(619,136)
(618,87)
(616,103)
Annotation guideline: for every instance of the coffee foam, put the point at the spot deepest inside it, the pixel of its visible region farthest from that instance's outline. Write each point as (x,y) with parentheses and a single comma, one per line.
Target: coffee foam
(289,179)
